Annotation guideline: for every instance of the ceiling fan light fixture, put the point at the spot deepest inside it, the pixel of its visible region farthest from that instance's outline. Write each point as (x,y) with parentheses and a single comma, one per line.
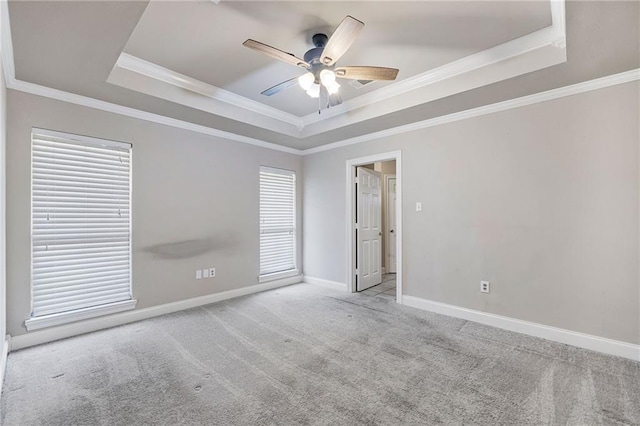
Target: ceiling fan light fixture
(314,91)
(333,88)
(327,77)
(320,62)
(306,80)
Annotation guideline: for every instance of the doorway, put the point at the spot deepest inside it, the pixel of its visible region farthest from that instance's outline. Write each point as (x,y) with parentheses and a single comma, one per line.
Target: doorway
(390,190)
(374,225)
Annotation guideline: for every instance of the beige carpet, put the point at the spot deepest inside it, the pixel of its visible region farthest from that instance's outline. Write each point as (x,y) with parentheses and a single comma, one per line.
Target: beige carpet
(308,354)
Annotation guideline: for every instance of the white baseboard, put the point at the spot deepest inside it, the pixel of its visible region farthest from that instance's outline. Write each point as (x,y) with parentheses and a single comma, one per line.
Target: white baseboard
(87,326)
(581,340)
(320,281)
(6,346)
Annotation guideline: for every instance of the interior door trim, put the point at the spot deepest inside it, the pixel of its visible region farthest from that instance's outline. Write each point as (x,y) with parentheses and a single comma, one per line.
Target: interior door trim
(350,175)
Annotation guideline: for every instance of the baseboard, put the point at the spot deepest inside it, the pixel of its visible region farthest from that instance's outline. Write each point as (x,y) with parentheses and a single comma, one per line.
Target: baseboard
(87,326)
(581,340)
(3,361)
(320,281)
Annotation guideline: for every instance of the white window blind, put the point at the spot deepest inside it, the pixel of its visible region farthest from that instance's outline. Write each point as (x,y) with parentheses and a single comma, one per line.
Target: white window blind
(81,222)
(277,220)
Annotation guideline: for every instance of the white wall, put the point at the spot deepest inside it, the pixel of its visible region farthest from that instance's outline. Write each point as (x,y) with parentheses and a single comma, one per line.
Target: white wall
(541,200)
(186,186)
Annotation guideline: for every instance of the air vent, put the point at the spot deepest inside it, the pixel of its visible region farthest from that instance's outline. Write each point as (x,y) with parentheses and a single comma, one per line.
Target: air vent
(360,83)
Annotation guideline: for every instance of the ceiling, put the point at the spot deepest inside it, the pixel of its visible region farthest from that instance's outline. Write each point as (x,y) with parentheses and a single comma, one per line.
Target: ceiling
(190,64)
(412,36)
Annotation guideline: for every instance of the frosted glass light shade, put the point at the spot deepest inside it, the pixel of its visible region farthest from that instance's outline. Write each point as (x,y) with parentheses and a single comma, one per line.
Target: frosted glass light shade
(333,88)
(327,77)
(306,81)
(314,91)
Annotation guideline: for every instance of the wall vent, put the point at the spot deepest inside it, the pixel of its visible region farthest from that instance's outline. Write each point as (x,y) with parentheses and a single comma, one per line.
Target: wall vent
(359,83)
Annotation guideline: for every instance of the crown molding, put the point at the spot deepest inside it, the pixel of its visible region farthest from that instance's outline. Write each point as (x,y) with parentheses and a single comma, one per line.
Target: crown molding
(6,54)
(47,92)
(558,30)
(550,41)
(544,37)
(574,89)
(140,75)
(530,42)
(145,77)
(157,72)
(554,35)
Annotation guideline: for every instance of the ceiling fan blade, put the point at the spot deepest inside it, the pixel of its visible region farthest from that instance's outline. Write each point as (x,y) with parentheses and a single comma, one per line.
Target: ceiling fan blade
(366,73)
(281,55)
(341,40)
(280,87)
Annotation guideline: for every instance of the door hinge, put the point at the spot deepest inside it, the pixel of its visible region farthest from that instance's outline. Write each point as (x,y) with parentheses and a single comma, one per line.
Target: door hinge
(355,225)
(356,180)
(357,271)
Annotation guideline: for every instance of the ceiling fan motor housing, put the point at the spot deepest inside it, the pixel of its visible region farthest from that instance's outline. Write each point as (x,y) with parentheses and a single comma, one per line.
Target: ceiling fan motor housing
(319,41)
(313,56)
(320,62)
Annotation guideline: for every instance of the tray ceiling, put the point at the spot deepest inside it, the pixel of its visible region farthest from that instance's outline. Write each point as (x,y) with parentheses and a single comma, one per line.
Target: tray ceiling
(185,60)
(413,36)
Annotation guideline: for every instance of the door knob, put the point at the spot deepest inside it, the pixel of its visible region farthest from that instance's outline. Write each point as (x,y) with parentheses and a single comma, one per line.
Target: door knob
(379,234)
(392,231)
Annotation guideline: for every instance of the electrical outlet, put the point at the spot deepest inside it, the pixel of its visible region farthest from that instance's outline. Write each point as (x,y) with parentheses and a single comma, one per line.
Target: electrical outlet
(485,286)
(418,206)
(198,274)
(212,272)
(205,273)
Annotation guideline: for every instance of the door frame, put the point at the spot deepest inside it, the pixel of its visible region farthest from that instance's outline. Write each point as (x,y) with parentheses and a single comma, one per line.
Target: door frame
(387,244)
(351,215)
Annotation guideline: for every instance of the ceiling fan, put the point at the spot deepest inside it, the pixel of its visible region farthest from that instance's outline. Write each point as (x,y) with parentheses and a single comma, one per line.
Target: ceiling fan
(320,62)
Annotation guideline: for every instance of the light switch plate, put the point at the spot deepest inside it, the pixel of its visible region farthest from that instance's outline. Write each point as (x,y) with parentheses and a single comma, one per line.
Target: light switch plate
(198,274)
(205,273)
(418,206)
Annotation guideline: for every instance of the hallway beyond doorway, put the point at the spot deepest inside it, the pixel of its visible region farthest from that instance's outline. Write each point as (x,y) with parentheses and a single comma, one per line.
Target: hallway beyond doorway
(386,289)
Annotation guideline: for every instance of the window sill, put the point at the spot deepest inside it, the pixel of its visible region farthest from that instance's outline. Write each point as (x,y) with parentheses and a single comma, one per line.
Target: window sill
(278,275)
(52,320)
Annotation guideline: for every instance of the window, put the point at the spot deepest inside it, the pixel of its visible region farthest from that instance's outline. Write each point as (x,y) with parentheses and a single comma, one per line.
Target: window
(277,223)
(80,227)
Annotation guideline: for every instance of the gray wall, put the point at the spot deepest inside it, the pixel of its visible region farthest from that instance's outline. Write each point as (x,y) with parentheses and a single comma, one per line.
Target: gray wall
(386,168)
(3,271)
(186,186)
(542,201)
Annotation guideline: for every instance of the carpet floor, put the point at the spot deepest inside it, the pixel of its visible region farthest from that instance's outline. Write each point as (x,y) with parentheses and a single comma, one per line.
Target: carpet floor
(309,354)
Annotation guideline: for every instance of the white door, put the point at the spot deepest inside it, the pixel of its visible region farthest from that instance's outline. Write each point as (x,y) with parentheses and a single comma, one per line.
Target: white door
(369,229)
(391,225)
